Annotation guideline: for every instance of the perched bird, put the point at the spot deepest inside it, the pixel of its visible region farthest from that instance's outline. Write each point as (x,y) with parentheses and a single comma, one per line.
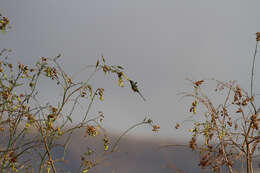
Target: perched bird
(135,88)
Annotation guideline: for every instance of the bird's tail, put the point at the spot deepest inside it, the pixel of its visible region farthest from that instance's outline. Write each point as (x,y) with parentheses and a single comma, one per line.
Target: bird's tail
(142,96)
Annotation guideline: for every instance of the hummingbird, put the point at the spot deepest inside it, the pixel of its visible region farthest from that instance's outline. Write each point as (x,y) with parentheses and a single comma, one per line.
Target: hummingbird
(135,88)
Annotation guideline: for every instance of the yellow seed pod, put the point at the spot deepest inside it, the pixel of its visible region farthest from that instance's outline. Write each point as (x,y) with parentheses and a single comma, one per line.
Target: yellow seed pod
(50,125)
(48,169)
(125,76)
(48,72)
(206,133)
(5,76)
(19,99)
(194,110)
(106,147)
(59,132)
(196,90)
(120,82)
(16,107)
(206,140)
(14,168)
(85,170)
(223,133)
(27,125)
(220,137)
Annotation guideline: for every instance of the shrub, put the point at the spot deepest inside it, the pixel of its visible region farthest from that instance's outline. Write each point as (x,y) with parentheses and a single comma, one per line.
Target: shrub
(228,125)
(30,130)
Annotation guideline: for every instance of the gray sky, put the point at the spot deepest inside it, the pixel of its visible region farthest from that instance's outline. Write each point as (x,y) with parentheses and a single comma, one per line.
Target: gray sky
(160,43)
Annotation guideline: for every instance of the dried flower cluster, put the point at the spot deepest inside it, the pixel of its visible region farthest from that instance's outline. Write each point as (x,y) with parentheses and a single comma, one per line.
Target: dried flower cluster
(258,36)
(230,128)
(224,142)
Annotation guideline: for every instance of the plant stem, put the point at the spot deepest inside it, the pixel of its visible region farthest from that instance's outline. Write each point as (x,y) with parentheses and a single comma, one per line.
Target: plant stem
(253,68)
(130,128)
(249,160)
(49,154)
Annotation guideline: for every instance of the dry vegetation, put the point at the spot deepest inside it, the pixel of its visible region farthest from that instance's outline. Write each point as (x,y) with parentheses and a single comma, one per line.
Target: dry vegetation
(30,129)
(229,128)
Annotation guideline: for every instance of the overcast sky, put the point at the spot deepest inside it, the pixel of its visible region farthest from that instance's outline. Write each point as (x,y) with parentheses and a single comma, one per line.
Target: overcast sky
(160,43)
